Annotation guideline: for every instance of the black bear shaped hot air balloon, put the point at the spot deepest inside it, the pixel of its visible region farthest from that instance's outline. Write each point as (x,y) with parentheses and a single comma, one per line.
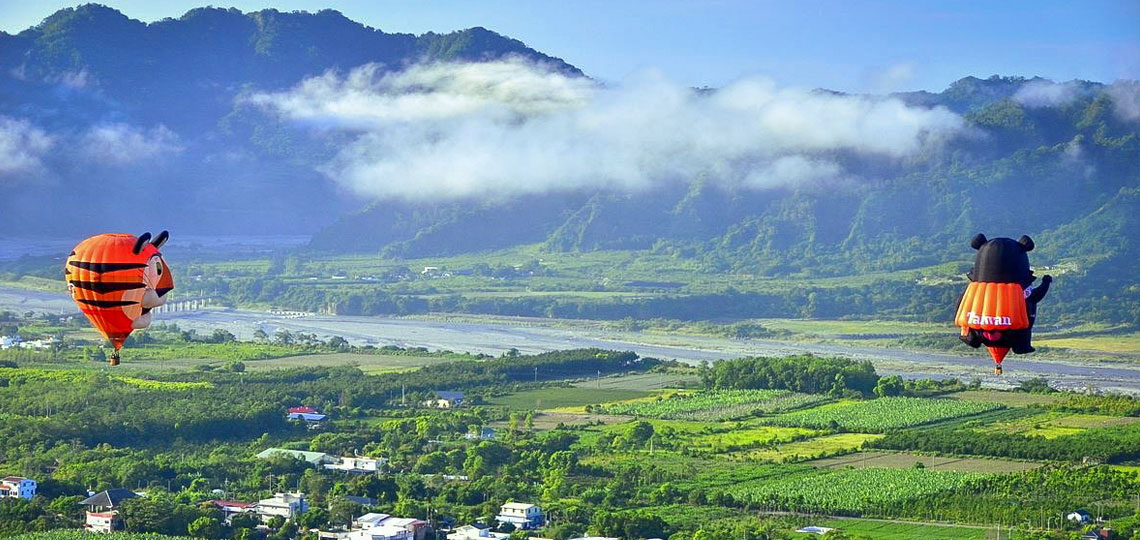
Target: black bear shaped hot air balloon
(999,306)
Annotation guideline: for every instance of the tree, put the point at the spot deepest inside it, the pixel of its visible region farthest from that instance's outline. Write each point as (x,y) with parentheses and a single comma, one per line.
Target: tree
(205,527)
(260,335)
(889,386)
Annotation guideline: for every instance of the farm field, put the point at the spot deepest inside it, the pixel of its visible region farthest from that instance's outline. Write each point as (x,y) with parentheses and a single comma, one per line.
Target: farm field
(879,415)
(564,399)
(849,490)
(807,449)
(905,460)
(643,381)
(368,363)
(721,442)
(1112,343)
(893,530)
(1051,425)
(717,405)
(1009,399)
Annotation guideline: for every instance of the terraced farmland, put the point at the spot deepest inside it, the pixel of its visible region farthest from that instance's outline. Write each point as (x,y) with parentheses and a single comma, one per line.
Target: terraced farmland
(879,415)
(717,405)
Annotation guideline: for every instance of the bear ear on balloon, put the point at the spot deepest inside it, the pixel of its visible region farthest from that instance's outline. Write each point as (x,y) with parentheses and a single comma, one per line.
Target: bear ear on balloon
(980,240)
(1026,243)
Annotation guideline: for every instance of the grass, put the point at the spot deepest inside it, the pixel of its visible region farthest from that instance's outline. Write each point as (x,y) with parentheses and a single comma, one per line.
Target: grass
(564,399)
(811,448)
(368,363)
(879,415)
(1111,342)
(1009,399)
(720,442)
(1052,425)
(643,381)
(905,460)
(890,530)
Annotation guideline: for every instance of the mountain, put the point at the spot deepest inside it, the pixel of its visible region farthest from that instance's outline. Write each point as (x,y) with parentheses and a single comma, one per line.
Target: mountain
(108,123)
(92,77)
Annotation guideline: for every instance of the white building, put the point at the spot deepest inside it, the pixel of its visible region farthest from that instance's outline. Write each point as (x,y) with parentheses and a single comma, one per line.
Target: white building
(521,515)
(445,400)
(102,515)
(17,487)
(7,342)
(356,465)
(375,526)
(475,532)
(285,505)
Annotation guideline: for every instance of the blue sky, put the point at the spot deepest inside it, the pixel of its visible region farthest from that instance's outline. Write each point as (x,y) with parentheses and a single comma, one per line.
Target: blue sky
(871,46)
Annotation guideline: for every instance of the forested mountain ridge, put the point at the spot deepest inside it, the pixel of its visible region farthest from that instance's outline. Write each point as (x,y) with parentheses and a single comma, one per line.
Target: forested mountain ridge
(95,102)
(223,122)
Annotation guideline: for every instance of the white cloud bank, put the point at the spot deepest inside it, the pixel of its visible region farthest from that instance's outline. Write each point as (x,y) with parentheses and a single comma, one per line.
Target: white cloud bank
(123,144)
(22,147)
(1046,93)
(511,127)
(1126,98)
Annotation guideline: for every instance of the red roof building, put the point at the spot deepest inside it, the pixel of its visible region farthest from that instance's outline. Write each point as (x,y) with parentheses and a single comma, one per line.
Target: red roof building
(306,410)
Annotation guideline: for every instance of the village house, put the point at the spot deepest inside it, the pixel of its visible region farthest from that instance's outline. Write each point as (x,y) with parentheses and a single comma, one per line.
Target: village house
(17,487)
(356,465)
(477,531)
(376,526)
(485,434)
(445,400)
(8,342)
(232,508)
(102,514)
(522,515)
(285,505)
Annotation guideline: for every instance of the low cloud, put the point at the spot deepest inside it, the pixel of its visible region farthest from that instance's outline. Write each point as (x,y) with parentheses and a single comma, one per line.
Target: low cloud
(22,148)
(1126,99)
(123,144)
(511,127)
(1046,93)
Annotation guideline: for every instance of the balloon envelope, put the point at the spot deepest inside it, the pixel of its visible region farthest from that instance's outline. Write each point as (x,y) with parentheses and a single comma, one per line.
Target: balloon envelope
(116,280)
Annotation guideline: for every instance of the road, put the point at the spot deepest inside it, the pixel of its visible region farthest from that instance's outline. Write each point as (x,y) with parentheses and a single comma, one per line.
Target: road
(533,336)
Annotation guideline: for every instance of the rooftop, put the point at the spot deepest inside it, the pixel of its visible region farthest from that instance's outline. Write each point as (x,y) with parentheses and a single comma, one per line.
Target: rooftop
(311,457)
(518,506)
(110,498)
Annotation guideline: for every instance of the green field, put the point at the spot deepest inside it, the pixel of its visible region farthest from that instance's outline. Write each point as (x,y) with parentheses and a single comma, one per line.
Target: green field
(891,530)
(879,415)
(1056,424)
(643,381)
(828,445)
(716,405)
(1112,342)
(905,460)
(737,438)
(562,398)
(1009,399)
(849,490)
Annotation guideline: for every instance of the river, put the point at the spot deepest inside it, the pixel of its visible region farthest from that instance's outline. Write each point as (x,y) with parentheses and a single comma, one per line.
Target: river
(533,336)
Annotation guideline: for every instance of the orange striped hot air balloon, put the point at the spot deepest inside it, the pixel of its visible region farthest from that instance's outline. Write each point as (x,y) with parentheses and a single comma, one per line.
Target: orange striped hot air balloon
(116,280)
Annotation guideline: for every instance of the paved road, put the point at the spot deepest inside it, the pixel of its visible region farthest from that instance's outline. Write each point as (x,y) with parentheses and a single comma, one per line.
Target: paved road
(531,336)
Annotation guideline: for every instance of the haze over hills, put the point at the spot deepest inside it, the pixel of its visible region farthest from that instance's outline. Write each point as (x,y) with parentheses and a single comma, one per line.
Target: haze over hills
(225,122)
